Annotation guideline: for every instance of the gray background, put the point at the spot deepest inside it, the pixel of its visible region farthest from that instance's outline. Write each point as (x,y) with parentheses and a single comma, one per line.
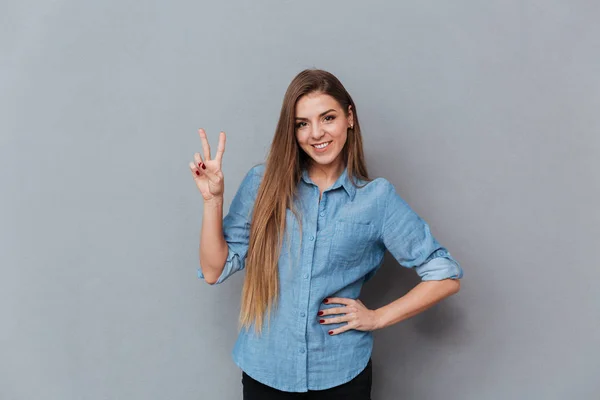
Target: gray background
(483,114)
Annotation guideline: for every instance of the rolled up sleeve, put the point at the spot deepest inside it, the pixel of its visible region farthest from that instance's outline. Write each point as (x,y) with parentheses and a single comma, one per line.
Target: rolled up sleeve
(236,224)
(408,238)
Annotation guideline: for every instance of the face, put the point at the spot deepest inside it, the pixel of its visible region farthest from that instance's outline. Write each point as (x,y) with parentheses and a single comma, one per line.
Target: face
(322,128)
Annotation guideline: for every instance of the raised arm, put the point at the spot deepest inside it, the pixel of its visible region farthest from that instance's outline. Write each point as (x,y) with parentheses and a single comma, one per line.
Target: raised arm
(208,176)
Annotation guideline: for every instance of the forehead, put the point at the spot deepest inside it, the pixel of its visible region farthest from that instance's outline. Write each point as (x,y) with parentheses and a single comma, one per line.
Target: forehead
(313,104)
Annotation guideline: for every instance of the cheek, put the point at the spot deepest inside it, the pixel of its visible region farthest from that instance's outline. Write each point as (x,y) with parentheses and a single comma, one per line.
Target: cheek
(339,129)
(302,139)
(341,134)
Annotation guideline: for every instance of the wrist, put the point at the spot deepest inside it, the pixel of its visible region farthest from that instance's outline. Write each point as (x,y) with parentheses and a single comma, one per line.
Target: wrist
(380,321)
(214,203)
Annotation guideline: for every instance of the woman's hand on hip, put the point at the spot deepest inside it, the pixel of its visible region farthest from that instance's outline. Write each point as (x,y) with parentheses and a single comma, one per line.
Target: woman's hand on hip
(207,172)
(353,312)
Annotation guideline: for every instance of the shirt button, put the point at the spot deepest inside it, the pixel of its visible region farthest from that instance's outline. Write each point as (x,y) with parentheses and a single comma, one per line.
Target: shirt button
(312,237)
(305,276)
(302,351)
(322,214)
(302,314)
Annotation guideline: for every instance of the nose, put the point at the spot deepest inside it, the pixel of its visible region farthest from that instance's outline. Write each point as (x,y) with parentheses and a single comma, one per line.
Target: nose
(317,131)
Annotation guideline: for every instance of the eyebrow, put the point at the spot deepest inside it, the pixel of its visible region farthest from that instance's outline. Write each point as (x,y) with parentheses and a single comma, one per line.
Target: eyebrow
(320,115)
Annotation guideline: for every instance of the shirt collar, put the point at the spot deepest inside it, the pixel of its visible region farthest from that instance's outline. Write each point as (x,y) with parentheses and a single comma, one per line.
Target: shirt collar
(343,180)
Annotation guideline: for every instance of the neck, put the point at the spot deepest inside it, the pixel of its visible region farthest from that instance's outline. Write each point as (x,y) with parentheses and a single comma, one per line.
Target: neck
(325,174)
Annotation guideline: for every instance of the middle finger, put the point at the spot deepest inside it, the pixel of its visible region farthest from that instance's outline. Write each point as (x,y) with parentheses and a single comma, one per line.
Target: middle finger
(335,320)
(205,145)
(334,310)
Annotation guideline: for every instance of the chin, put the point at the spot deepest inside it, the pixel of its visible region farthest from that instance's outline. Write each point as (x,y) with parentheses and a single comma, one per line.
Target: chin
(325,160)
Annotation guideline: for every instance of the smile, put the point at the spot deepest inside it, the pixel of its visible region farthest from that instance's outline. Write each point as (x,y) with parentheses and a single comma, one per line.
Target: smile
(321,146)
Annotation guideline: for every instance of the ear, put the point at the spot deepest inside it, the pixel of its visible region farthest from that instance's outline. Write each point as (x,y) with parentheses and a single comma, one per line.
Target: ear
(350,116)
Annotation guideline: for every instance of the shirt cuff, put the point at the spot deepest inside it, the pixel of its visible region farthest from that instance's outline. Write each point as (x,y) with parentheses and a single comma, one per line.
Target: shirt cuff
(440,268)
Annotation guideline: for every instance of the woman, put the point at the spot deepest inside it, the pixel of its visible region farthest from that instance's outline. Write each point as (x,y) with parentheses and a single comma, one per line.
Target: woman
(310,228)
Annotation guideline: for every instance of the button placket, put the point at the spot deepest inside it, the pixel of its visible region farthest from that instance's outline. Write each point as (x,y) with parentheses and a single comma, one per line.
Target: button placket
(321,212)
(308,257)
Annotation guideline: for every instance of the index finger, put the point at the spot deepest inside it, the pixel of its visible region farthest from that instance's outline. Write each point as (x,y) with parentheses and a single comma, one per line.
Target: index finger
(338,300)
(220,148)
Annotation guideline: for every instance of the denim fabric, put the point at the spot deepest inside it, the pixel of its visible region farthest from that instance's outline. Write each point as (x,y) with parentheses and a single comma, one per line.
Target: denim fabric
(343,240)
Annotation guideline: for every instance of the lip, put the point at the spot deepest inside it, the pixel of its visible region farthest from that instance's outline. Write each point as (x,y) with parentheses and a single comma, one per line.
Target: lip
(323,149)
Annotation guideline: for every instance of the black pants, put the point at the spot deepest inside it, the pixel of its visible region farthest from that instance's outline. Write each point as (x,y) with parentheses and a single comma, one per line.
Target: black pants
(358,388)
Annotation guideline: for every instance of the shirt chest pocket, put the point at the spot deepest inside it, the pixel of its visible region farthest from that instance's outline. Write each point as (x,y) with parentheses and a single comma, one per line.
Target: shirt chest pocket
(349,242)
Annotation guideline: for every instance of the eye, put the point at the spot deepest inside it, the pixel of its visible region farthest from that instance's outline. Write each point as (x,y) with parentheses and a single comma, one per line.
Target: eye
(300,124)
(329,117)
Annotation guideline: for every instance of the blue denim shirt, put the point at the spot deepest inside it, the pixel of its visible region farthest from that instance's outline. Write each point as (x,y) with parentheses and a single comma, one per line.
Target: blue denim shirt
(342,245)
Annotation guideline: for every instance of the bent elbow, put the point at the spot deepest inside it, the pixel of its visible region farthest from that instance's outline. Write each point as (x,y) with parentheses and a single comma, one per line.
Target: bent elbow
(455,285)
(208,276)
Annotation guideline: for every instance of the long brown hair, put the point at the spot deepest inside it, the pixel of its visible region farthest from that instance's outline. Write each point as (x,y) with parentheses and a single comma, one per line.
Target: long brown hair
(283,170)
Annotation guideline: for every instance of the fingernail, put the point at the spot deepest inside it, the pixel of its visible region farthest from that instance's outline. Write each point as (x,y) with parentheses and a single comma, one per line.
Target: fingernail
(320,313)
(197,172)
(321,321)
(330,332)
(326,301)
(203,166)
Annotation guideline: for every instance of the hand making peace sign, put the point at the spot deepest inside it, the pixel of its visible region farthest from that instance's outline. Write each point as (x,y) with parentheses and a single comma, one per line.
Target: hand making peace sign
(207,173)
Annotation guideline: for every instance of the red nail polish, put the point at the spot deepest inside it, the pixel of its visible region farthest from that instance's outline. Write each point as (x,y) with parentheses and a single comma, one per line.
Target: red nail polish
(197,173)
(321,321)
(326,301)
(320,313)
(330,332)
(203,166)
